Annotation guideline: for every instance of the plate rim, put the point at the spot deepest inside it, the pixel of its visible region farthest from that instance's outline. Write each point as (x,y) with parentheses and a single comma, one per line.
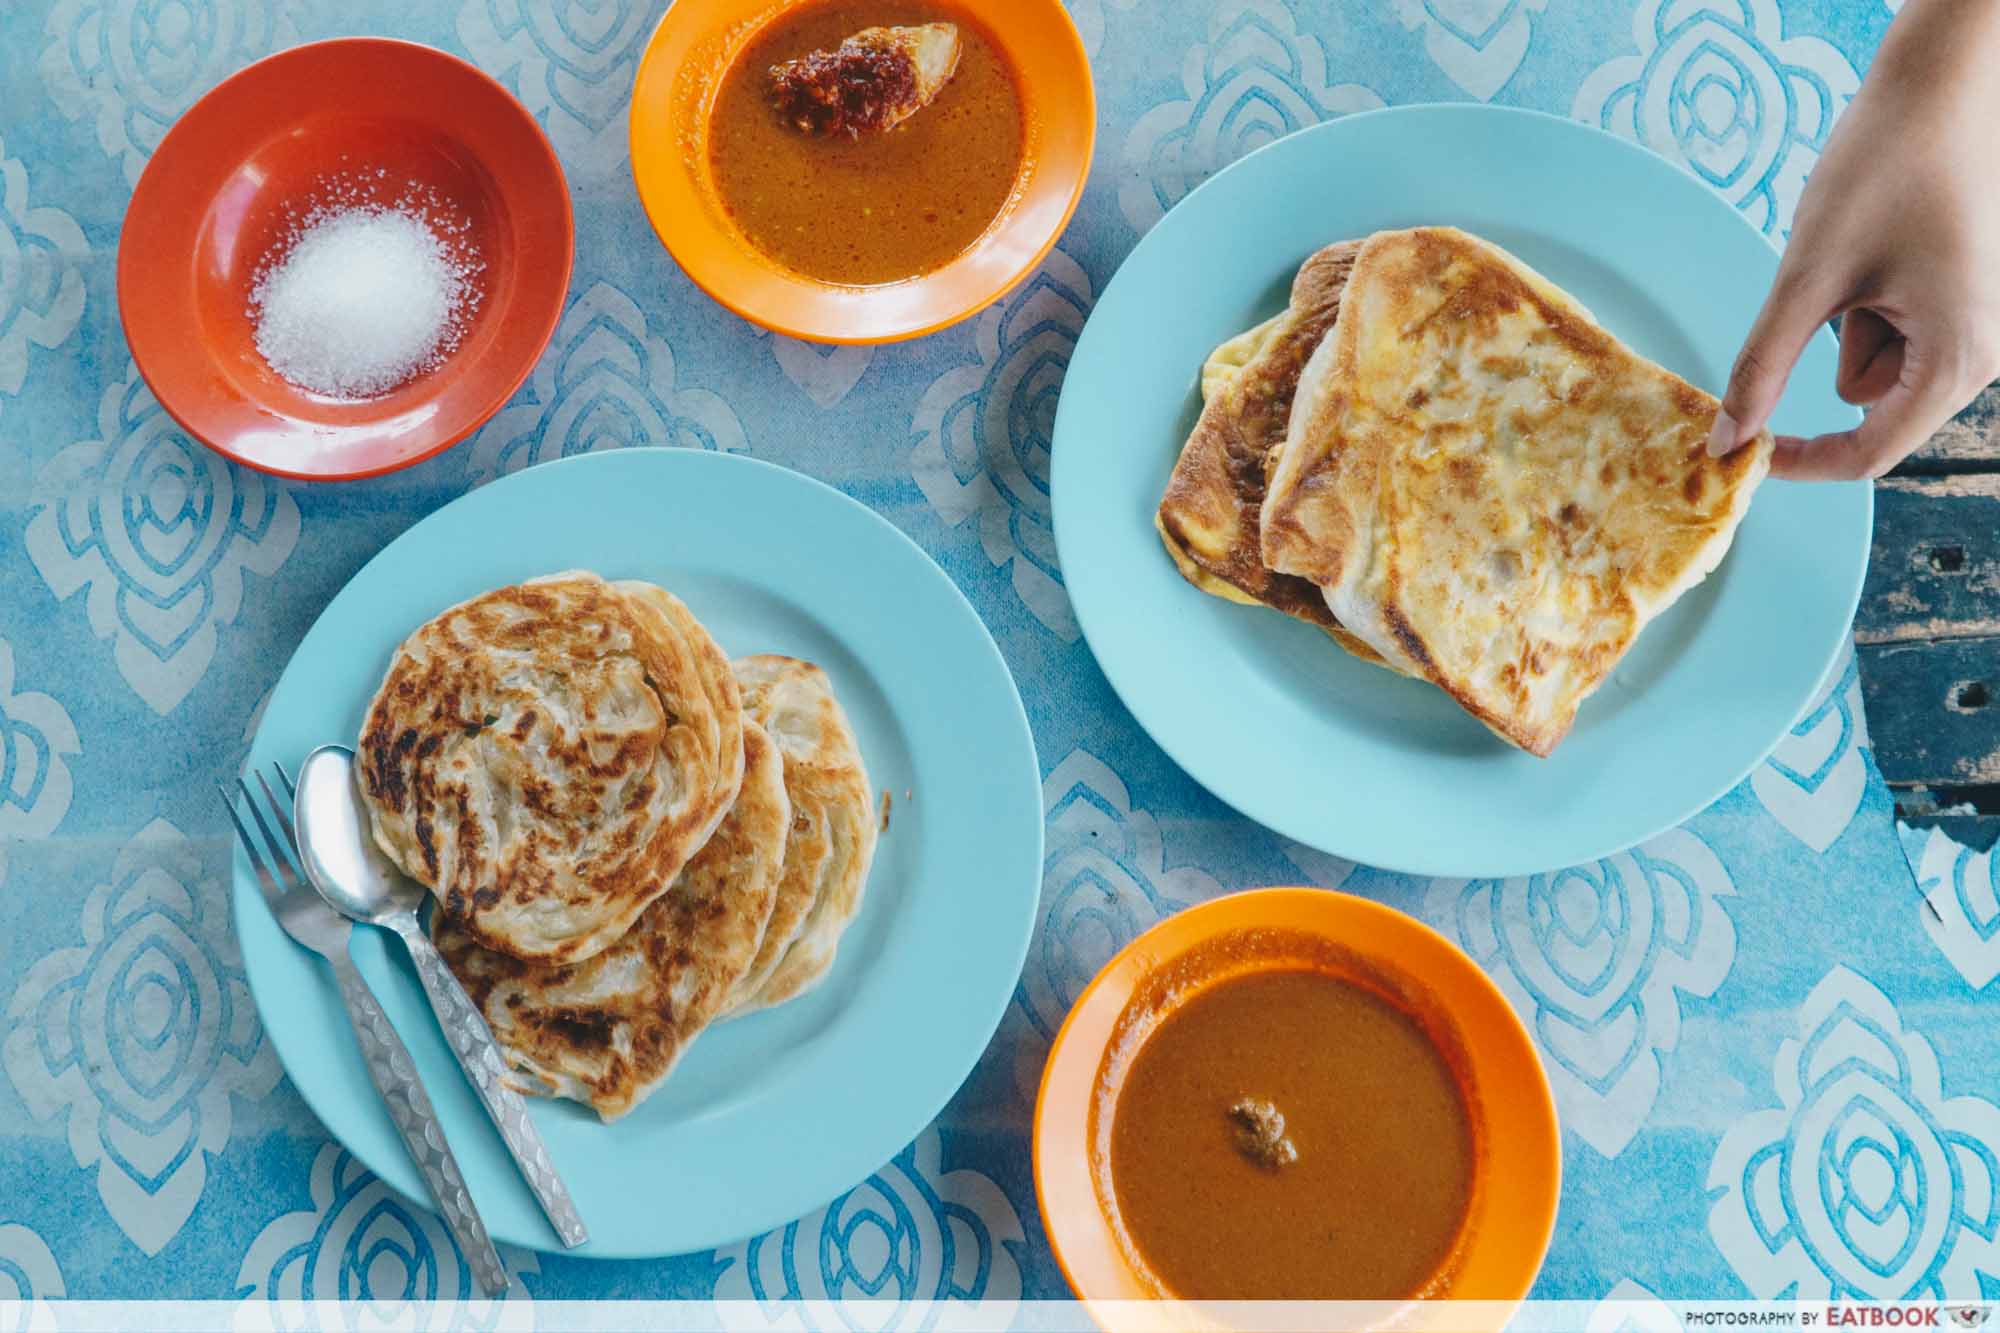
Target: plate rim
(398,1174)
(1438,860)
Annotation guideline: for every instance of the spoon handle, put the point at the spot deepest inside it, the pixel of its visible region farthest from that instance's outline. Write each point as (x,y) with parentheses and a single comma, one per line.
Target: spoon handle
(395,1077)
(479,1054)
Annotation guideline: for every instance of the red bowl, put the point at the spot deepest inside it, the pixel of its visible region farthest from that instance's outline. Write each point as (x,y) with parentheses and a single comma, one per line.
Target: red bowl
(221,189)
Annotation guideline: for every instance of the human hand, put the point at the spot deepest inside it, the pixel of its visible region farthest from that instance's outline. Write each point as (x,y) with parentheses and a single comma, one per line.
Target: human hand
(1898,231)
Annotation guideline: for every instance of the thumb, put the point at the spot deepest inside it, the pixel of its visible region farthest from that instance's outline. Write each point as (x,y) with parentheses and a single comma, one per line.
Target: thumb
(1792,313)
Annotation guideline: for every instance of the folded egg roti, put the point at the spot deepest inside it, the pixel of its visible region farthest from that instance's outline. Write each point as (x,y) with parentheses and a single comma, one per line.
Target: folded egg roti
(1208,517)
(1490,490)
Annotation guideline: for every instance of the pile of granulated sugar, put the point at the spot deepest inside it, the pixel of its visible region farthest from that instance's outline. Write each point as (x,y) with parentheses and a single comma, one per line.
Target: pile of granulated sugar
(359,297)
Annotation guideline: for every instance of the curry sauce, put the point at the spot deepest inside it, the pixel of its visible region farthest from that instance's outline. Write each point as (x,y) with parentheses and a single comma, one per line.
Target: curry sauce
(1288,1134)
(873,207)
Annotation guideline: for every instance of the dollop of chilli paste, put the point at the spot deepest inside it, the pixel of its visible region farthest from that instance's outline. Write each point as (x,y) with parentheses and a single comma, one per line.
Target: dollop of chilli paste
(852,89)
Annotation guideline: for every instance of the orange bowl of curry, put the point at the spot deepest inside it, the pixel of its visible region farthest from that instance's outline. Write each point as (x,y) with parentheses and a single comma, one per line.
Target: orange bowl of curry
(812,212)
(1295,1095)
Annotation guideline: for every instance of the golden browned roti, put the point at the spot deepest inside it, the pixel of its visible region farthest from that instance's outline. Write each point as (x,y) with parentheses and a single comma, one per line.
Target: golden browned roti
(548,756)
(1492,491)
(833,830)
(1208,517)
(608,1031)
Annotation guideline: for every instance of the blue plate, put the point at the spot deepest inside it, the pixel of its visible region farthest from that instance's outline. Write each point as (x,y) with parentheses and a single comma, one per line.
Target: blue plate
(1343,756)
(769,1116)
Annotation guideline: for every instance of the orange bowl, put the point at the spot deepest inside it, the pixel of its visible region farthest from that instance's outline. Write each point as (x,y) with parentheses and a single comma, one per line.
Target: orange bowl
(218,195)
(1518,1154)
(679,75)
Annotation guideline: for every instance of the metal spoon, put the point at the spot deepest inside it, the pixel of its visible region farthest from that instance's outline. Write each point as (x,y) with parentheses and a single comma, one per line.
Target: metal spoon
(359,881)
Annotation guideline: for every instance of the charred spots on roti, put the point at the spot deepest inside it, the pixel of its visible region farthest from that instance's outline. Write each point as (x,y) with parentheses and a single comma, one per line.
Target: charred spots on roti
(382,766)
(584,1029)
(1408,639)
(427,846)
(640,794)
(608,1028)
(513,727)
(1537,433)
(1210,513)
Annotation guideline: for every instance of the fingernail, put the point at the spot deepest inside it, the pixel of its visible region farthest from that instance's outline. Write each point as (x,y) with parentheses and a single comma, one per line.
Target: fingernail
(1722,436)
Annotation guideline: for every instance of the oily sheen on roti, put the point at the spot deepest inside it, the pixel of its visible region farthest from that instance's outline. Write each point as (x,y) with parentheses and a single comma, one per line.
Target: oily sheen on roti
(608,1030)
(1209,516)
(548,756)
(833,832)
(1491,490)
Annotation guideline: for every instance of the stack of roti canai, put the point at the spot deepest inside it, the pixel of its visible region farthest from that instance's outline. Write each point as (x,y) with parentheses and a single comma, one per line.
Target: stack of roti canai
(1438,457)
(628,836)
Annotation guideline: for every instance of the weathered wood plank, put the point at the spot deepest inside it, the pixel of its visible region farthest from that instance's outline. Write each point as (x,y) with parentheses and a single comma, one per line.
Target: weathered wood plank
(1934,710)
(1970,815)
(1972,438)
(1979,832)
(1935,569)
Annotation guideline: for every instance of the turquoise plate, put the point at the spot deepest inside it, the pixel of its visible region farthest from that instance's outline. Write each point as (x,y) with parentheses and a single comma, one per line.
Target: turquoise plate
(772,1115)
(1343,756)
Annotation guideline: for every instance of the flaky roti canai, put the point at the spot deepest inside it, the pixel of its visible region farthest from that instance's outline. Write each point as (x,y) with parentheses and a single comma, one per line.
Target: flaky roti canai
(833,830)
(1209,516)
(1491,490)
(548,756)
(608,1031)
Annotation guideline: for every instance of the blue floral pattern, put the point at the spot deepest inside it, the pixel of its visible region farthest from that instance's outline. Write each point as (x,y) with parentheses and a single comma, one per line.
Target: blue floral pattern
(131,67)
(1718,87)
(41,278)
(36,741)
(27,1270)
(1866,1182)
(158,532)
(1814,781)
(983,434)
(150,594)
(572,62)
(606,382)
(1596,958)
(913,1234)
(1256,78)
(1089,17)
(1479,43)
(357,1241)
(142,1035)
(1961,906)
(1104,881)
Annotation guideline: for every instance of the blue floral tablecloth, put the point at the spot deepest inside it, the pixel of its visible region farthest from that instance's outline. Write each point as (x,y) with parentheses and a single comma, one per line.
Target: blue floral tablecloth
(1778,1068)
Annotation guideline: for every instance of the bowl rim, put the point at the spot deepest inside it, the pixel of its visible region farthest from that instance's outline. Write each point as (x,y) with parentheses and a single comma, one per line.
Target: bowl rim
(125,293)
(657,189)
(1520,1182)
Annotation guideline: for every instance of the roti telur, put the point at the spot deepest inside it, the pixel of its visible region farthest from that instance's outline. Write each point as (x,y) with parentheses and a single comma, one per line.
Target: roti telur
(1490,490)
(1209,516)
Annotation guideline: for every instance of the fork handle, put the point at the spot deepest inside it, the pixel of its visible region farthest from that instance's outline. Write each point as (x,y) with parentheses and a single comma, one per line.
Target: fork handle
(485,1068)
(395,1075)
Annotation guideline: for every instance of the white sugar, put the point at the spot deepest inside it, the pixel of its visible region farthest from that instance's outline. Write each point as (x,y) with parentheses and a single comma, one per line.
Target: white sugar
(360,297)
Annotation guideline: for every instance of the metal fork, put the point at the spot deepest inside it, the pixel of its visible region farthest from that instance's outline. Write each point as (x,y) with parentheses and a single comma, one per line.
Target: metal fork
(317,927)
